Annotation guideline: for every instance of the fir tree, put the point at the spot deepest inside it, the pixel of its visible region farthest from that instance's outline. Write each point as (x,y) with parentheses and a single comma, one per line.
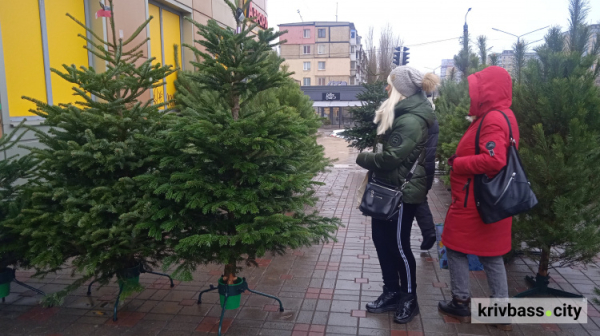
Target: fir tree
(363,133)
(84,191)
(12,199)
(451,109)
(236,165)
(557,107)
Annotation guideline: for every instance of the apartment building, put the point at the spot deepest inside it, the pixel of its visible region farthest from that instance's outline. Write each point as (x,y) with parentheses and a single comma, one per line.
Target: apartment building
(449,70)
(36,36)
(323,53)
(507,60)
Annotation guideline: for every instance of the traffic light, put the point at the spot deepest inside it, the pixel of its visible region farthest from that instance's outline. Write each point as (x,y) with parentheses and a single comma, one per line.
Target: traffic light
(397,52)
(405,56)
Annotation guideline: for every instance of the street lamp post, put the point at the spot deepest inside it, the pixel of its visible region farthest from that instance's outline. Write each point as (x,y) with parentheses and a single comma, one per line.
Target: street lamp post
(519,36)
(466,33)
(519,59)
(433,69)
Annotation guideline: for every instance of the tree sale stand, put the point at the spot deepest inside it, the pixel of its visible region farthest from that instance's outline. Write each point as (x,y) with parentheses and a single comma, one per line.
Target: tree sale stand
(228,291)
(540,287)
(10,276)
(122,284)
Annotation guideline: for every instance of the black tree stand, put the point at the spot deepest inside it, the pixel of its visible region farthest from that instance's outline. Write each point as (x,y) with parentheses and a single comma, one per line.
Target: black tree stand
(13,278)
(122,284)
(228,291)
(540,287)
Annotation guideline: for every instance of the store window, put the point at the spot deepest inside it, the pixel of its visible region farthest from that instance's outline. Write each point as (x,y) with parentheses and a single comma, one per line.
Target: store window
(162,46)
(28,57)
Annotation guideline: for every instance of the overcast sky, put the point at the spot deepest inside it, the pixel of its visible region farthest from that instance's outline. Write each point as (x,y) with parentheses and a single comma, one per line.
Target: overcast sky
(420,21)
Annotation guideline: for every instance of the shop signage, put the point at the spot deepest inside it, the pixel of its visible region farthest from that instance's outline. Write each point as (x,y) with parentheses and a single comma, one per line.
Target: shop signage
(331,96)
(260,18)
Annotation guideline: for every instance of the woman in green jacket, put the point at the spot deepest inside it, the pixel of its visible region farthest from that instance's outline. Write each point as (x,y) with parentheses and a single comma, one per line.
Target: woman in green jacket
(403,120)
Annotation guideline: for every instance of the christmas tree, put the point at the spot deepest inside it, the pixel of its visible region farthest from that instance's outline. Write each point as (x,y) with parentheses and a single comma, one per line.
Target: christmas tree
(363,133)
(12,169)
(557,106)
(236,165)
(84,191)
(451,109)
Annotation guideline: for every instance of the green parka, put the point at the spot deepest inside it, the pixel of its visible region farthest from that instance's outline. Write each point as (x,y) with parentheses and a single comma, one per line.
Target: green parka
(402,146)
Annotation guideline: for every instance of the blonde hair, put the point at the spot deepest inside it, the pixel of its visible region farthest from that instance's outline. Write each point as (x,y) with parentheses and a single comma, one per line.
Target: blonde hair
(385,115)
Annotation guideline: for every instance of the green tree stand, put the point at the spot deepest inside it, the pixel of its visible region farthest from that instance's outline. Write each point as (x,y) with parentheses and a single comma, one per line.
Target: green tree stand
(123,283)
(540,287)
(228,291)
(10,276)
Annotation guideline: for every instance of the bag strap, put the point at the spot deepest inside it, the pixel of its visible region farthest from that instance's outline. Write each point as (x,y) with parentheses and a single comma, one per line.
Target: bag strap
(510,133)
(412,170)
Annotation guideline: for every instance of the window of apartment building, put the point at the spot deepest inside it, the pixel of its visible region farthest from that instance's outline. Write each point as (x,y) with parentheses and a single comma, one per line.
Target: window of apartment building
(322,81)
(321,65)
(353,65)
(352,81)
(321,49)
(307,66)
(353,34)
(306,50)
(322,32)
(306,81)
(306,33)
(352,49)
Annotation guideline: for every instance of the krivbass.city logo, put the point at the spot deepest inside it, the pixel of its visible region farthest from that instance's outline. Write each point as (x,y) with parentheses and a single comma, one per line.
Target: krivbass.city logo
(528,310)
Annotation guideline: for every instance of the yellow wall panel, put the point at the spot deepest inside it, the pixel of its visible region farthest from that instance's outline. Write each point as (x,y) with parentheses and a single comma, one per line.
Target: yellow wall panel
(23,54)
(156,48)
(64,46)
(172,40)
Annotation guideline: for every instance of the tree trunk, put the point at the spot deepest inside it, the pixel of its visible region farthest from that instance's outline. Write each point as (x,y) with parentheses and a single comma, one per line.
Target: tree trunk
(235,111)
(229,274)
(544,261)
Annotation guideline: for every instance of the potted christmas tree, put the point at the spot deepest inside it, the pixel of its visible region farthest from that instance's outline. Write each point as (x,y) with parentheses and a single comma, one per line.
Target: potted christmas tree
(84,191)
(557,106)
(240,156)
(12,199)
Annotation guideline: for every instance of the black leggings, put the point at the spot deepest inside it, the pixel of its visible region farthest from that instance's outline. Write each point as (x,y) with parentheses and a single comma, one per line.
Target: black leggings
(396,259)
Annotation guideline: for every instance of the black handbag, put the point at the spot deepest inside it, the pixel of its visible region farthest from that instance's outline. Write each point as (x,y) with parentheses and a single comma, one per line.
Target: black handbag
(509,192)
(383,201)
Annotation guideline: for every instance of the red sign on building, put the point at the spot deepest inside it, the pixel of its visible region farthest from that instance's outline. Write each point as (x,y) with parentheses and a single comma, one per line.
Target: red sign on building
(259,17)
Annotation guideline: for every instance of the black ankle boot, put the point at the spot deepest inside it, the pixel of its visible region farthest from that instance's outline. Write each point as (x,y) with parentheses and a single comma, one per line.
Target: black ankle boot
(458,309)
(388,301)
(428,242)
(408,307)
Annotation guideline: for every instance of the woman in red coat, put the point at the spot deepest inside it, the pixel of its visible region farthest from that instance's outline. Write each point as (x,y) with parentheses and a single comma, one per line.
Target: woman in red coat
(464,231)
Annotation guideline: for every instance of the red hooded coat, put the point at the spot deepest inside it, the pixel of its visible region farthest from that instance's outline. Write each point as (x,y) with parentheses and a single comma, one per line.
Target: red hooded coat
(464,231)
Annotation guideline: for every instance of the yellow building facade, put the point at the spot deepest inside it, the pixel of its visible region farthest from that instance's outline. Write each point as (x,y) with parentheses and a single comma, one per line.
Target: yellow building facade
(37,36)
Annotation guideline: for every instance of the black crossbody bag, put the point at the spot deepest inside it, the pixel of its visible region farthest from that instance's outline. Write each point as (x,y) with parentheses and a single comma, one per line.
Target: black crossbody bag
(383,201)
(509,192)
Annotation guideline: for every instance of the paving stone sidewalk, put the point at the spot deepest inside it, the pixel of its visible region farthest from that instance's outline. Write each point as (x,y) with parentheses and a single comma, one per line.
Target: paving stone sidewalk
(324,289)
